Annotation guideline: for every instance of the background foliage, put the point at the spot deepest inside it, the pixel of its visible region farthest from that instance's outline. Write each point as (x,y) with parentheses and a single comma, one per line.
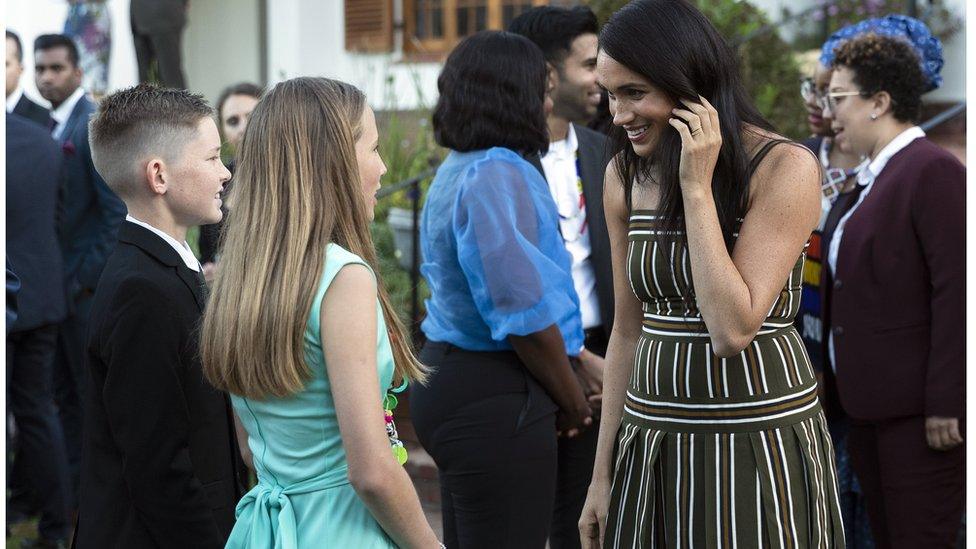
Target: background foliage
(832,15)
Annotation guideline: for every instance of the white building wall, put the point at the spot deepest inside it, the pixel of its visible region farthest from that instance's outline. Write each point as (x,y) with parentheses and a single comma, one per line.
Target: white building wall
(307,37)
(222,45)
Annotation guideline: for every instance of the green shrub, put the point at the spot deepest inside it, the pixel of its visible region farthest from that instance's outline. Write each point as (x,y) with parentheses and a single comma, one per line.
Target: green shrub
(408,149)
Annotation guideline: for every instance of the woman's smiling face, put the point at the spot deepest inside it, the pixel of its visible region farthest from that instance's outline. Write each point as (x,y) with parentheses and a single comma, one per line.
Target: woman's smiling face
(635,104)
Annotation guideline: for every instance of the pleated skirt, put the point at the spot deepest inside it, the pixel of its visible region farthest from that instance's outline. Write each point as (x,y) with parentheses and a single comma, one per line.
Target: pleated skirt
(723,453)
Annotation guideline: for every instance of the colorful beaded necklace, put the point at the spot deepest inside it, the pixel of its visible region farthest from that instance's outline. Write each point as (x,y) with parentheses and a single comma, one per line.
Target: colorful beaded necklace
(389,403)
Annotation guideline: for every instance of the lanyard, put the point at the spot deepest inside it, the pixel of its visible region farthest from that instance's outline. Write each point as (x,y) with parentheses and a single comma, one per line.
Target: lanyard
(581,207)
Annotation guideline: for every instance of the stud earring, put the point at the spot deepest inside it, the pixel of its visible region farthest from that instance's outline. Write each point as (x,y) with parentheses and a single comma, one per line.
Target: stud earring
(874,116)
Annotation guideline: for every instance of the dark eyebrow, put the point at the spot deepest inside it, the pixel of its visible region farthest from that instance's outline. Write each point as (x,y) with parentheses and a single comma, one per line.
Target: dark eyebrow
(625,87)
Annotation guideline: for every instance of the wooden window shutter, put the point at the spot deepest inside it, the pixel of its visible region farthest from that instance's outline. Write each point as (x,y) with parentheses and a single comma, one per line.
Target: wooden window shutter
(369,25)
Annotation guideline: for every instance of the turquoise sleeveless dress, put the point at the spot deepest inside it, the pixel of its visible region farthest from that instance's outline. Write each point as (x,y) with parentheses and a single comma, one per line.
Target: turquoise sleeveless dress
(303,497)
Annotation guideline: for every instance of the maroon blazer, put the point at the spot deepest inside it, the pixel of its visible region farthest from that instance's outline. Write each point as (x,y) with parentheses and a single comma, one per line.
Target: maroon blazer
(896,305)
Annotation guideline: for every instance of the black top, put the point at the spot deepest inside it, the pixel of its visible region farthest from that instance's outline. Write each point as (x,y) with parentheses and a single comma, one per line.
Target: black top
(161,466)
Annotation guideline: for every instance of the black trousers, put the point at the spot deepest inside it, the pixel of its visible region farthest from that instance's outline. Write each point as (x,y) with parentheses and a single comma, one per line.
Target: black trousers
(166,49)
(39,478)
(490,428)
(70,382)
(575,469)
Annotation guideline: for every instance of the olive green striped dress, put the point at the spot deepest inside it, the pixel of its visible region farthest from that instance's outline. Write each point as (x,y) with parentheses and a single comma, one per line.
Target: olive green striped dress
(717,452)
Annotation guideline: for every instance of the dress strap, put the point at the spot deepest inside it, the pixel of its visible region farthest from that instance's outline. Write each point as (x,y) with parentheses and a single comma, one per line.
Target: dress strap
(768,146)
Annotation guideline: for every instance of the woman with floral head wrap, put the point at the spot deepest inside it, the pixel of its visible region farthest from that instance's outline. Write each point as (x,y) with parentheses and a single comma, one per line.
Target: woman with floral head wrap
(840,166)
(894,286)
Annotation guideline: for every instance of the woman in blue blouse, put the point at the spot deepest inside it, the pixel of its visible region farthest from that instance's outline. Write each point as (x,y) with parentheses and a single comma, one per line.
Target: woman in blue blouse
(503,321)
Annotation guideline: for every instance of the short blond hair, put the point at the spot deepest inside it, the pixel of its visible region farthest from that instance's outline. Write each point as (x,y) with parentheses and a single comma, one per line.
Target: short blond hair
(136,123)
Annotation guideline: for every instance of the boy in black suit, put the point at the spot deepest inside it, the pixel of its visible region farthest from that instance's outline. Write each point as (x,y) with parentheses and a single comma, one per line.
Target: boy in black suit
(161,466)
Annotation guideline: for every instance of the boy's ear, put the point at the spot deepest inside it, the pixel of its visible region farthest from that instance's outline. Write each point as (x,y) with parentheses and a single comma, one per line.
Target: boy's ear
(155,176)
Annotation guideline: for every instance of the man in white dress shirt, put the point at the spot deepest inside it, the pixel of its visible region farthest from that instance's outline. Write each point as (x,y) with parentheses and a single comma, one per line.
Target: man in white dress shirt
(574,168)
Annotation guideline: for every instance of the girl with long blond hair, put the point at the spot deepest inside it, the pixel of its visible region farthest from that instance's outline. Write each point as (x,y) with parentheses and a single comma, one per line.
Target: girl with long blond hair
(302,335)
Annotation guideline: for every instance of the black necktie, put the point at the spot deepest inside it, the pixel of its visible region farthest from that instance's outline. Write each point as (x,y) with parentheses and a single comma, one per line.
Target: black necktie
(202,283)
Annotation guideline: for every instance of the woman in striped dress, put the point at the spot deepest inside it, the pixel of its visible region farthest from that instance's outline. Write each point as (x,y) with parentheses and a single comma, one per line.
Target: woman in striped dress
(712,435)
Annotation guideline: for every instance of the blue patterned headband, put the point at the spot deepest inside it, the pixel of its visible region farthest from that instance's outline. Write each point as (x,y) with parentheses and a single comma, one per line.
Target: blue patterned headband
(928,47)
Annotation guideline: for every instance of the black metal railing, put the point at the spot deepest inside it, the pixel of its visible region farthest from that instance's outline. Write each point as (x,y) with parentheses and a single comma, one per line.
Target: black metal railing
(944,116)
(412,188)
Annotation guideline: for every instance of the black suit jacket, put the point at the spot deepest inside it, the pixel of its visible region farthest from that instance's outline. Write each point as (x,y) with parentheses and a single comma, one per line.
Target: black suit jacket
(90,211)
(161,466)
(33,180)
(33,112)
(594,157)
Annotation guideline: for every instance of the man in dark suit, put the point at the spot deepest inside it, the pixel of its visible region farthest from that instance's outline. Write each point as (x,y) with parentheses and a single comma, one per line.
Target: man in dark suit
(161,465)
(17,102)
(33,181)
(574,168)
(157,33)
(89,219)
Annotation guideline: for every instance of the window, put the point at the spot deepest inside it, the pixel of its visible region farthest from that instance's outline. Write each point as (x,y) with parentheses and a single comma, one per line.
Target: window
(435,26)
(369,25)
(430,26)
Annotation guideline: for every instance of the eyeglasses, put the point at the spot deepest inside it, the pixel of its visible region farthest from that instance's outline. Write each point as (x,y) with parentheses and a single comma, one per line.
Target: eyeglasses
(808,89)
(828,101)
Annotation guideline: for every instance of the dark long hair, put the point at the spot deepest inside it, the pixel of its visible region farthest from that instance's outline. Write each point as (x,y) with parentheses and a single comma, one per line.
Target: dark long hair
(492,91)
(674,46)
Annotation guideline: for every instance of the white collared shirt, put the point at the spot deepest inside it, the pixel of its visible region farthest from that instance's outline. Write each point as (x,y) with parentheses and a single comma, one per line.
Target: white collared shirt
(183,249)
(63,112)
(14,98)
(560,167)
(867,173)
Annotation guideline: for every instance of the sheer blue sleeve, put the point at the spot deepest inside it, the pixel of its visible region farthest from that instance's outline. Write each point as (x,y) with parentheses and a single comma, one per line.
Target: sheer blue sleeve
(510,250)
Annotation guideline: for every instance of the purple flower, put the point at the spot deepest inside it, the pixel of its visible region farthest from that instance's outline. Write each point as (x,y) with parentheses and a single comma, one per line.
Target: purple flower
(818,15)
(833,10)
